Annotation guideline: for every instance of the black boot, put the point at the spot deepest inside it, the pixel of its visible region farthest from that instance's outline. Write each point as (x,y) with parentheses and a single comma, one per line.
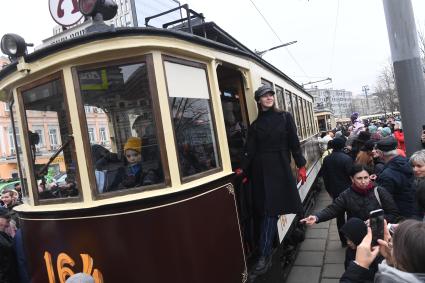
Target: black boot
(262,266)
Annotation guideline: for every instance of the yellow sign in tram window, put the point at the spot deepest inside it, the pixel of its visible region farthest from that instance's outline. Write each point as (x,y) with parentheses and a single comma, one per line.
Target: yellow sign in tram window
(94,80)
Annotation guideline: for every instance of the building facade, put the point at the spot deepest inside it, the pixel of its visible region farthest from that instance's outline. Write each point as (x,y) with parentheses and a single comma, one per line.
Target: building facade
(338,101)
(367,106)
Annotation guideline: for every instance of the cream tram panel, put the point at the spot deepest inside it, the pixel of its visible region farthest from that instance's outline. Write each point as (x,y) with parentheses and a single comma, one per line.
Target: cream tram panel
(78,139)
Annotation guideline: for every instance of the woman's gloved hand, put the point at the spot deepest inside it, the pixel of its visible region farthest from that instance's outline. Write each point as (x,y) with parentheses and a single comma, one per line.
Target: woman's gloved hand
(240,173)
(302,175)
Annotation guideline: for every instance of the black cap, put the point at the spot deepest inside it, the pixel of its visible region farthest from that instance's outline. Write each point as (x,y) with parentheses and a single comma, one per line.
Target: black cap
(338,143)
(262,90)
(368,146)
(387,144)
(355,230)
(363,136)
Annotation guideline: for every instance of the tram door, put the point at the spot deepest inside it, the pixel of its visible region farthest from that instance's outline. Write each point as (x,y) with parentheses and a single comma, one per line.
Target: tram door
(236,121)
(234,111)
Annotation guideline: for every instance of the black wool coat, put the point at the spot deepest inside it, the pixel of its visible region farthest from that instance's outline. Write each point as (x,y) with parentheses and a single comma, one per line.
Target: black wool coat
(271,140)
(336,172)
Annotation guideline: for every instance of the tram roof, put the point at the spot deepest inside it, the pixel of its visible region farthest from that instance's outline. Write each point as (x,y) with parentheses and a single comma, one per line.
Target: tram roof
(222,41)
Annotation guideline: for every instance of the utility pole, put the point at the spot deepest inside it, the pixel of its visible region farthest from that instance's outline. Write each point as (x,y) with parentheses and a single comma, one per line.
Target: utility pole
(365,89)
(409,78)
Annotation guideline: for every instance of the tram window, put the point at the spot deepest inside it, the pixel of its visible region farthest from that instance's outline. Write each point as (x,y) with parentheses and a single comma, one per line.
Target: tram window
(190,108)
(280,98)
(266,82)
(310,121)
(288,102)
(296,114)
(301,115)
(306,118)
(16,149)
(128,154)
(46,103)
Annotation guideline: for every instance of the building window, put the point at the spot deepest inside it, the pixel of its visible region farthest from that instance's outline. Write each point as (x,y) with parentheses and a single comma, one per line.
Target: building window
(190,108)
(102,135)
(92,137)
(12,141)
(53,138)
(40,135)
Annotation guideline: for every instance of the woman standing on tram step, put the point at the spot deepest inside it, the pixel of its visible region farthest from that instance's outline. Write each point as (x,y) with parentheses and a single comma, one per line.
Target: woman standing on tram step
(272,137)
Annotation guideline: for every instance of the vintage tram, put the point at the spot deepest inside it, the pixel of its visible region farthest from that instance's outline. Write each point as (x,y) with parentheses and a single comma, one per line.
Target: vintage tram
(182,99)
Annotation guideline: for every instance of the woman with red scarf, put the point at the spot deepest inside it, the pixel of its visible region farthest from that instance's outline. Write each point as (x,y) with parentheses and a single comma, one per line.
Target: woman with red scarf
(358,200)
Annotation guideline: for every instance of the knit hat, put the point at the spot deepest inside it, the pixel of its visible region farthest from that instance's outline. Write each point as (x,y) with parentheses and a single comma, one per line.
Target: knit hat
(133,143)
(363,136)
(372,129)
(368,146)
(387,144)
(80,278)
(385,132)
(355,230)
(338,143)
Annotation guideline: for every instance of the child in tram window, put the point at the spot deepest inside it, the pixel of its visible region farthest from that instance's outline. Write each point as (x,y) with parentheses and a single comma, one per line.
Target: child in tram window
(133,175)
(133,155)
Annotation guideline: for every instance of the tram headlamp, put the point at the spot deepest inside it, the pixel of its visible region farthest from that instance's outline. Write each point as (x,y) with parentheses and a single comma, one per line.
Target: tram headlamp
(107,8)
(13,45)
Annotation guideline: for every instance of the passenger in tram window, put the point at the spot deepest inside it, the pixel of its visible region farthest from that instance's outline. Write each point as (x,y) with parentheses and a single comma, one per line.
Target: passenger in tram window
(132,175)
(189,162)
(272,138)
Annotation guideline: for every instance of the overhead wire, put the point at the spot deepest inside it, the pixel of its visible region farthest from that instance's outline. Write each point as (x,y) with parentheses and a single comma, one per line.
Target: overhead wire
(334,40)
(277,36)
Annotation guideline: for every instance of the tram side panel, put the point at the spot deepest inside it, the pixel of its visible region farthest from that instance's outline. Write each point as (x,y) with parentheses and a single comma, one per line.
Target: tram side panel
(190,238)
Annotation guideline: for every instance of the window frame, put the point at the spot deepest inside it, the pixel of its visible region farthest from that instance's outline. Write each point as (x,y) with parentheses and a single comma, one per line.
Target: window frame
(148,61)
(282,92)
(24,124)
(25,192)
(203,66)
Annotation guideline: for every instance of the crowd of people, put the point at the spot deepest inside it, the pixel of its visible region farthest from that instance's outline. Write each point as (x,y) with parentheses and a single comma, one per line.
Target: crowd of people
(364,169)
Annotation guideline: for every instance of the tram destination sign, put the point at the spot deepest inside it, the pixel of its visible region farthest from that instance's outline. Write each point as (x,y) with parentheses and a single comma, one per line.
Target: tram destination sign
(65,12)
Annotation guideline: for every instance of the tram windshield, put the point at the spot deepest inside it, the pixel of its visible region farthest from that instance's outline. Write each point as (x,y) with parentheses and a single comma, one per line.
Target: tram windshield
(121,127)
(52,150)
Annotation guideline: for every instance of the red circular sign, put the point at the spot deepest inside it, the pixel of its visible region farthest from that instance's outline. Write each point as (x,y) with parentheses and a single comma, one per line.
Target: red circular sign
(65,12)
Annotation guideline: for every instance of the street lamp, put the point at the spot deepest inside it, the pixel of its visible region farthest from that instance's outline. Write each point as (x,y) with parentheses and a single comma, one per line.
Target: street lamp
(261,53)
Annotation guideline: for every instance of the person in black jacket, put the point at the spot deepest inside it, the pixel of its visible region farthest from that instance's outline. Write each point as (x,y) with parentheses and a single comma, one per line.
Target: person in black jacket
(397,178)
(336,175)
(272,138)
(8,265)
(358,200)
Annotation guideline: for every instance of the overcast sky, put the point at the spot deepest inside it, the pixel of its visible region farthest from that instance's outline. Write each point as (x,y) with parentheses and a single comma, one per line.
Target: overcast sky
(345,40)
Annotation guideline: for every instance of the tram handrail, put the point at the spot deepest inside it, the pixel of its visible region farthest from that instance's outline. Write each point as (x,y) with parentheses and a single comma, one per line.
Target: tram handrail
(190,14)
(46,166)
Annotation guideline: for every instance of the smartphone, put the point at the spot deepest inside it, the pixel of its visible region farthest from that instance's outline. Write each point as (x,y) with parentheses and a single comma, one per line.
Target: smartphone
(376,222)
